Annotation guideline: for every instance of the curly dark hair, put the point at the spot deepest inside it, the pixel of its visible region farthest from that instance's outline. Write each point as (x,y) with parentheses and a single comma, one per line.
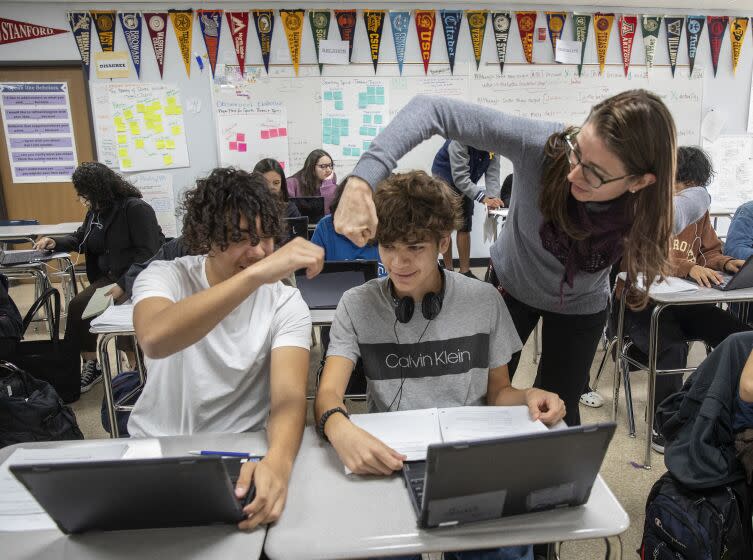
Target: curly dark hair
(694,167)
(308,182)
(100,186)
(213,210)
(270,164)
(415,207)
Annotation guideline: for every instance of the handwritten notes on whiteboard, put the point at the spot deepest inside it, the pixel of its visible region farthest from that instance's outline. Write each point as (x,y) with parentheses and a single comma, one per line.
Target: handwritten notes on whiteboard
(732,157)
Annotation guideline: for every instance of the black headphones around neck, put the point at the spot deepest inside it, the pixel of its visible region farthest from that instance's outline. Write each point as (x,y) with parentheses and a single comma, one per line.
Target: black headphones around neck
(431,304)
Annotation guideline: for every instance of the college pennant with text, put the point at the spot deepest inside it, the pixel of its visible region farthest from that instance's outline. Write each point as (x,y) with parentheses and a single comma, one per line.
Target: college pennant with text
(237,23)
(501,26)
(400,21)
(451,24)
(131,24)
(346,23)
(602,30)
(319,20)
(425,23)
(650,26)
(210,22)
(555,21)
(183,28)
(526,25)
(374,20)
(104,23)
(694,28)
(717,27)
(477,28)
(626,26)
(264,20)
(12,31)
(81,27)
(156,23)
(292,22)
(674,33)
(580,28)
(737,29)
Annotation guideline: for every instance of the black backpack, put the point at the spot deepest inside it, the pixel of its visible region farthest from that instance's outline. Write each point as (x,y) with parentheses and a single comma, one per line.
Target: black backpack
(31,410)
(684,524)
(11,324)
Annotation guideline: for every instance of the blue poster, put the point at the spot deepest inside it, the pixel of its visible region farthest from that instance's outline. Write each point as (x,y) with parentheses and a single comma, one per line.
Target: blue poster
(131,24)
(400,22)
(451,22)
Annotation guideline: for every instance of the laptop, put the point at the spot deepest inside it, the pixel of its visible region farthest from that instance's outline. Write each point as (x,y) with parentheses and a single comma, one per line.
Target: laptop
(297,227)
(310,206)
(136,493)
(464,482)
(743,278)
(9,258)
(337,277)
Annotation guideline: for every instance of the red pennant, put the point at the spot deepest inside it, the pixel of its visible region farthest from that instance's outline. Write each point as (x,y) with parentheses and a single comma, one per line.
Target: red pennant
(426,21)
(237,22)
(717,27)
(526,25)
(627,26)
(12,31)
(156,23)
(346,22)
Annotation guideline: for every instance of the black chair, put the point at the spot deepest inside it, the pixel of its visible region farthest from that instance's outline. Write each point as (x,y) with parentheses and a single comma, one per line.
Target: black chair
(297,227)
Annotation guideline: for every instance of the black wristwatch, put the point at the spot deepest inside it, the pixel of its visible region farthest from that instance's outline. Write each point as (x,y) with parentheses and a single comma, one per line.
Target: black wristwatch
(325,417)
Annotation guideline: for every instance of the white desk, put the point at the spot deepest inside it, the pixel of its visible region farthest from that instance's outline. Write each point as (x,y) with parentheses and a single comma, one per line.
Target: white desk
(185,543)
(662,301)
(331,515)
(322,317)
(14,232)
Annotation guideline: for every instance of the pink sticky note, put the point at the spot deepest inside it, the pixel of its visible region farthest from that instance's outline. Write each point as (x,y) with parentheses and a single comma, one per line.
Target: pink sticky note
(282,131)
(273,133)
(240,137)
(241,147)
(233,146)
(282,164)
(264,134)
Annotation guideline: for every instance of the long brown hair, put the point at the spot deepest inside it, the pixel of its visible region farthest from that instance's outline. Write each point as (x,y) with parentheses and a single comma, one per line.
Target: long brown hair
(307,180)
(638,128)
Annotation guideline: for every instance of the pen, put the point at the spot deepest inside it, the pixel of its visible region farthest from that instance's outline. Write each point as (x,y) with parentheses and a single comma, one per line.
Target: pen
(240,454)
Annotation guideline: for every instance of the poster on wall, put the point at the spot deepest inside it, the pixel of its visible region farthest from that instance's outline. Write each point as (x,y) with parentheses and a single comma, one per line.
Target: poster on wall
(732,184)
(157,189)
(354,111)
(139,125)
(251,130)
(38,131)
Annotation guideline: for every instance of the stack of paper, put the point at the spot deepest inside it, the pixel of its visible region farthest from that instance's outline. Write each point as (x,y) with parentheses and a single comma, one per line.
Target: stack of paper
(670,285)
(116,318)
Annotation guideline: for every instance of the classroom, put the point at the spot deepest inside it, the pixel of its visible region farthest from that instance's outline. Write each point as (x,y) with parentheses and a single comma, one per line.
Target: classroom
(219,220)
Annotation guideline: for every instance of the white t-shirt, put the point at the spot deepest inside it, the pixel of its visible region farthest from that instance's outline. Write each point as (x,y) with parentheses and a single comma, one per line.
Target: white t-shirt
(221,383)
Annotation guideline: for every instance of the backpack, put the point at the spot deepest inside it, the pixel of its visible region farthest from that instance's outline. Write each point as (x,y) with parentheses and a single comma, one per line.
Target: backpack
(11,324)
(683,524)
(126,389)
(31,410)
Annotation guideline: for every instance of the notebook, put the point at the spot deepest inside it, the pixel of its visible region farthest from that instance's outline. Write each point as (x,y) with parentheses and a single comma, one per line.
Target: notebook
(137,493)
(98,302)
(472,481)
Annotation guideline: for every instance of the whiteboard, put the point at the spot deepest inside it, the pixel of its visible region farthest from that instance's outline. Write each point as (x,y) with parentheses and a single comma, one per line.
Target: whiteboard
(732,157)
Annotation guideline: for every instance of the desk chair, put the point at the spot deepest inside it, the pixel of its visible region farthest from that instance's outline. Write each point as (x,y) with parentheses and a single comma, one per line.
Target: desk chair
(297,227)
(21,240)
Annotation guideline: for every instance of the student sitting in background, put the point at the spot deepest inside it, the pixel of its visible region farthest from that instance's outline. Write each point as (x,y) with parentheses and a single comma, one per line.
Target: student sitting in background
(316,178)
(227,344)
(695,253)
(119,229)
(739,242)
(419,308)
(275,176)
(338,247)
(743,420)
(462,167)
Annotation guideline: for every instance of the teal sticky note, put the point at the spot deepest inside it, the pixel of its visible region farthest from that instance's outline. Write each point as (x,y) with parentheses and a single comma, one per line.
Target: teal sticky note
(336,140)
(363,131)
(346,151)
(327,122)
(339,105)
(344,122)
(328,96)
(371,89)
(367,119)
(355,152)
(380,90)
(379,100)
(366,145)
(338,95)
(377,119)
(344,131)
(373,131)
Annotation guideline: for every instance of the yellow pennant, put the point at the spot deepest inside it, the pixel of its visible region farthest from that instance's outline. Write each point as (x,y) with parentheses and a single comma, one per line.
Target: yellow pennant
(292,21)
(477,27)
(737,36)
(602,29)
(183,27)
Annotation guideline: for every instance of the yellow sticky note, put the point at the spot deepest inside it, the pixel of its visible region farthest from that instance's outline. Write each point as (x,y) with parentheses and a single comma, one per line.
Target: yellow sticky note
(178,110)
(169,110)
(169,144)
(139,107)
(118,120)
(157,117)
(160,144)
(140,143)
(120,127)
(158,128)
(171,101)
(123,152)
(126,163)
(122,139)
(135,129)
(128,114)
(176,130)
(167,160)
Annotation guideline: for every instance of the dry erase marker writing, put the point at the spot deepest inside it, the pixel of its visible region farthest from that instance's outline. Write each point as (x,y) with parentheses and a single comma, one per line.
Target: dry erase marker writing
(227,454)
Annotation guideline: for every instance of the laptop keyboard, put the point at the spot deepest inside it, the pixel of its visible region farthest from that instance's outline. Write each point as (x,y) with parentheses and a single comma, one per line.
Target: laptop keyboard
(23,257)
(416,477)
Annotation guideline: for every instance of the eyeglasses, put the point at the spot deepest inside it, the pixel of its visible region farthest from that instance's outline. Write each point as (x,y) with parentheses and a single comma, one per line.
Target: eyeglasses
(592,177)
(326,165)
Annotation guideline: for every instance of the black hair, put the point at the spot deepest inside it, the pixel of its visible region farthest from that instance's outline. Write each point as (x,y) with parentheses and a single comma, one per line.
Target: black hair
(270,164)
(100,186)
(694,167)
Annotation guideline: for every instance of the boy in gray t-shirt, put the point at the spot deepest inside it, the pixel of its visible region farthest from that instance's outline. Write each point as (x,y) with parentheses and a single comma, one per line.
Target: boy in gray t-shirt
(427,337)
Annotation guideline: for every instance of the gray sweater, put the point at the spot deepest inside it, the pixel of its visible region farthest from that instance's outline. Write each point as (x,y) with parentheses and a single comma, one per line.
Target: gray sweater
(525,269)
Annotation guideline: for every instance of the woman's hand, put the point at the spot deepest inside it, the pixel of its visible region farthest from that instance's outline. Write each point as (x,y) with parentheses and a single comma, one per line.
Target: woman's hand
(44,244)
(705,276)
(733,265)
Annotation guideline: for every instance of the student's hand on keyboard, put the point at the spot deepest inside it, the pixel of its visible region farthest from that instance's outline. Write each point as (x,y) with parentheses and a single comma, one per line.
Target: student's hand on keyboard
(44,243)
(298,253)
(362,453)
(356,217)
(733,265)
(271,482)
(705,276)
(545,406)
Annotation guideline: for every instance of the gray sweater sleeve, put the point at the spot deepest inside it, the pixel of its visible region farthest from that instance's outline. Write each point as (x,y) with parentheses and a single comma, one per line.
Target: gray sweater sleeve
(690,206)
(491,178)
(472,125)
(460,167)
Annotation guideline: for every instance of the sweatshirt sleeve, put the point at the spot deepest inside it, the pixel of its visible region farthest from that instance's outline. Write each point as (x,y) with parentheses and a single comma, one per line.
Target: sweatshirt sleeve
(690,206)
(460,168)
(491,177)
(739,243)
(711,247)
(472,125)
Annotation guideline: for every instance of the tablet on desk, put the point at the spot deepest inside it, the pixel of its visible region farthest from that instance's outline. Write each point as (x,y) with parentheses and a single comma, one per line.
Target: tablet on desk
(337,277)
(136,493)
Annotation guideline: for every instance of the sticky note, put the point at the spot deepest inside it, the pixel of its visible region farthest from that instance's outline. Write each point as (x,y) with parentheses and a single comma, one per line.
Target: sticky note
(233,146)
(178,110)
(159,129)
(273,133)
(264,134)
(170,144)
(355,152)
(128,114)
(118,120)
(366,144)
(377,119)
(338,95)
(160,144)
(122,139)
(240,137)
(122,152)
(282,131)
(367,119)
(171,101)
(126,163)
(380,90)
(339,105)
(346,151)
(140,143)
(328,96)
(344,131)
(135,129)
(327,122)
(363,131)
(139,107)
(167,160)
(175,130)
(242,147)
(380,100)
